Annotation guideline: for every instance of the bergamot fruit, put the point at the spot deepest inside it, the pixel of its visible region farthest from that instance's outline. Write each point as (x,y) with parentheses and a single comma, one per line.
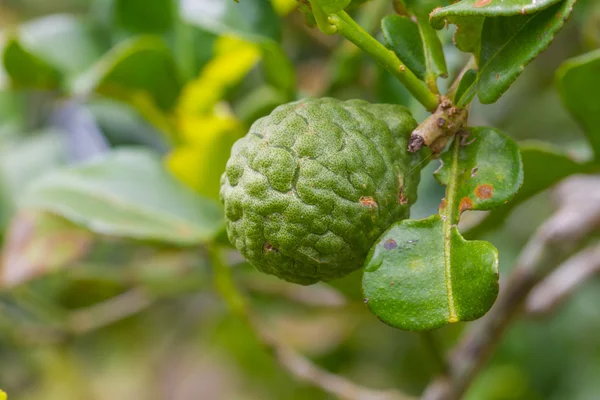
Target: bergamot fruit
(312,186)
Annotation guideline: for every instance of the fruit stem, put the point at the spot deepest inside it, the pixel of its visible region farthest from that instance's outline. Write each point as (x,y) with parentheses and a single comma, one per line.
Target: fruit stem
(348,28)
(223,281)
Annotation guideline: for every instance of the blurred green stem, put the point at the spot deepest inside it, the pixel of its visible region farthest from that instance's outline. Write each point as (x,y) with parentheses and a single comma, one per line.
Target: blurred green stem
(343,24)
(225,285)
(433,346)
(297,365)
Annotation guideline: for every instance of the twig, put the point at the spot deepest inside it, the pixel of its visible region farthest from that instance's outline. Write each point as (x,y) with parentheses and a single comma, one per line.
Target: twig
(297,365)
(343,24)
(561,283)
(432,344)
(108,312)
(318,295)
(559,237)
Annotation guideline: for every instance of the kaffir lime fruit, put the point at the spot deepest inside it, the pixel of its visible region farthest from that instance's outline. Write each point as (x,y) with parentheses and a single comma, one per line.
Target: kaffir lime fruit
(313,185)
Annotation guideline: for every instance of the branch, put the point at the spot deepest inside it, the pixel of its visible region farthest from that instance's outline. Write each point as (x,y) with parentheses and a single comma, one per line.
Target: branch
(560,284)
(298,366)
(560,236)
(343,24)
(108,312)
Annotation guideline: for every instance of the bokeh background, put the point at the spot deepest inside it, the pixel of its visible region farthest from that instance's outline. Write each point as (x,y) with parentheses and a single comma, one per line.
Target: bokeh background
(88,316)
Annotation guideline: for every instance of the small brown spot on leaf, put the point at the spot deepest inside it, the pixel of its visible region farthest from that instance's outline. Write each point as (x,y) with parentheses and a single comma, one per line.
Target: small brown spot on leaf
(481,3)
(402,68)
(401,198)
(390,244)
(268,247)
(443,204)
(465,204)
(497,76)
(392,284)
(484,191)
(368,201)
(474,172)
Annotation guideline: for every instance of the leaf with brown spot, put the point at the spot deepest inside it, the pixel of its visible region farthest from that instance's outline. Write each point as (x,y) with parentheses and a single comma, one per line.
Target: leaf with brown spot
(439,277)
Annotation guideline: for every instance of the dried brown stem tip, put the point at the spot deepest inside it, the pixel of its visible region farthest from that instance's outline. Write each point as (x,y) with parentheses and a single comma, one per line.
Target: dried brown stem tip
(435,132)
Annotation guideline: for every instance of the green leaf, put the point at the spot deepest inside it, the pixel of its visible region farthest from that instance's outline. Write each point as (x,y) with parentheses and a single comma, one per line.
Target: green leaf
(254,20)
(435,60)
(423,274)
(68,44)
(332,6)
(138,70)
(466,89)
(127,193)
(490,8)
(578,82)
(141,17)
(27,70)
(278,68)
(544,165)
(508,44)
(402,36)
(467,37)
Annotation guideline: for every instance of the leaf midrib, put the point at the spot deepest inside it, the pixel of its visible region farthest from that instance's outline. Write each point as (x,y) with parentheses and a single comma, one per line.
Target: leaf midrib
(448,221)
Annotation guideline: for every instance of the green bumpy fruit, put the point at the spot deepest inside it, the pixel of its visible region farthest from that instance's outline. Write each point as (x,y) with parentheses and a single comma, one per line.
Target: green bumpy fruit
(312,186)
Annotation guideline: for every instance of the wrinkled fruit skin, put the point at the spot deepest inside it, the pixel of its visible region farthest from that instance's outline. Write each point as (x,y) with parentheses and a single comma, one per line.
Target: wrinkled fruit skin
(312,186)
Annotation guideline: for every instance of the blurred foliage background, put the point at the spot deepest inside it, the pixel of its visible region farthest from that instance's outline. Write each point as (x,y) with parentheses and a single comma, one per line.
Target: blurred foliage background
(158,91)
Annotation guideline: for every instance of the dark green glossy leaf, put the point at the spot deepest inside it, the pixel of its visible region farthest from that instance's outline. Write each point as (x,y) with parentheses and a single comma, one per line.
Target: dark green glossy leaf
(435,60)
(140,70)
(402,36)
(26,70)
(544,165)
(578,82)
(253,20)
(141,17)
(412,282)
(491,8)
(127,193)
(467,89)
(508,44)
(423,274)
(467,37)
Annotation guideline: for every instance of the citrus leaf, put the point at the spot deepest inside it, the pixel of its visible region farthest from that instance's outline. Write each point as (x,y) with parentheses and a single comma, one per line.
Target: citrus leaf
(467,88)
(127,193)
(490,8)
(253,20)
(508,44)
(578,82)
(139,67)
(140,17)
(467,37)
(68,44)
(402,36)
(332,6)
(434,54)
(27,70)
(423,274)
(544,165)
